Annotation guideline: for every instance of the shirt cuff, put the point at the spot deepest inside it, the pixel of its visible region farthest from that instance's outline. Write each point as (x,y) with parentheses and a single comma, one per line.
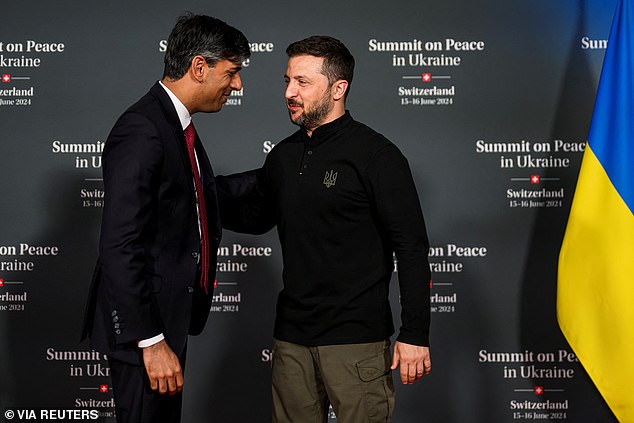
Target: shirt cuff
(144,343)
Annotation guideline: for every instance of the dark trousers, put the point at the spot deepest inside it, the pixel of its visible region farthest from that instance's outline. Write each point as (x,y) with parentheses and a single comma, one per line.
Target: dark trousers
(136,402)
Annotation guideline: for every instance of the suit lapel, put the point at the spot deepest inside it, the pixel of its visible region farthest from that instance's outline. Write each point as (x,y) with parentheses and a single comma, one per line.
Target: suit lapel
(207,174)
(172,118)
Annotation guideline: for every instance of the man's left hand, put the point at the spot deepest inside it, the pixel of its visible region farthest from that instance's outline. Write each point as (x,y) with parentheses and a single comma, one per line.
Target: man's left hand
(415,361)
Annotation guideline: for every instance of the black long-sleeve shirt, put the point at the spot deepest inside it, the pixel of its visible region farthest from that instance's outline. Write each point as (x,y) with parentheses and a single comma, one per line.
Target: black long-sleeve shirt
(344,200)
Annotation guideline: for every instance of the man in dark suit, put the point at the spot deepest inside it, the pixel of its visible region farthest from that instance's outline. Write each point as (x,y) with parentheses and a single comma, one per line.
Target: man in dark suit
(161,229)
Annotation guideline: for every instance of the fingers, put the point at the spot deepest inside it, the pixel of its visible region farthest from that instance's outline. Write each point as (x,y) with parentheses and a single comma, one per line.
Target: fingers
(180,382)
(154,383)
(415,362)
(423,368)
(163,369)
(395,359)
(419,373)
(168,382)
(163,384)
(408,374)
(173,385)
(427,364)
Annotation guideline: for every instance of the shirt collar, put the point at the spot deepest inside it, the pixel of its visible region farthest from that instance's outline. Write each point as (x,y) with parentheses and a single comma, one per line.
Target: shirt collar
(325,130)
(183,114)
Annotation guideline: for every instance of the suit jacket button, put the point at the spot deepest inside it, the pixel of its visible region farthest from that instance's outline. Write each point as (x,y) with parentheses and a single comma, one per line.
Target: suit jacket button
(190,289)
(114,312)
(115,319)
(118,331)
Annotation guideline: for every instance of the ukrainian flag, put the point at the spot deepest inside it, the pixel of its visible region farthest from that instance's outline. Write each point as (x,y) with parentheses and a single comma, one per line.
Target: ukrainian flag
(595,293)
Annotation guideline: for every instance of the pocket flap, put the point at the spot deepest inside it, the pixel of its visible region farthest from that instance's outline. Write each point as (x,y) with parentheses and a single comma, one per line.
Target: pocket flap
(374,367)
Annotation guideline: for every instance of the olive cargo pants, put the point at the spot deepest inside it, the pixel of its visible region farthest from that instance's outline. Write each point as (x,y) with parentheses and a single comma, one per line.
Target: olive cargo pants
(355,378)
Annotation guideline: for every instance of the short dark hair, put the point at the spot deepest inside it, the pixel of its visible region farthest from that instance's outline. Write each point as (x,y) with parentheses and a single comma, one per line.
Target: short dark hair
(200,35)
(338,61)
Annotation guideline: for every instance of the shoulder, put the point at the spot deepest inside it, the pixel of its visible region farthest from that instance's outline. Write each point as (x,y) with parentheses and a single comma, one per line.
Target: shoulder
(368,137)
(369,144)
(283,147)
(146,117)
(139,128)
(146,110)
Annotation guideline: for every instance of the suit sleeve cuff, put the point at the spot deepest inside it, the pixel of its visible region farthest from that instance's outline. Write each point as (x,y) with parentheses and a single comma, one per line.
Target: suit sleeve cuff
(144,343)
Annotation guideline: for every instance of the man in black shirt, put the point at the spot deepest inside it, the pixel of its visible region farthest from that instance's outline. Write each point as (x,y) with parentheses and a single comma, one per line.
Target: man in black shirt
(343,199)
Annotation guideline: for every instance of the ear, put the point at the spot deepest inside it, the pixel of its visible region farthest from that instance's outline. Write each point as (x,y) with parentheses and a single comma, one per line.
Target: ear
(339,89)
(198,68)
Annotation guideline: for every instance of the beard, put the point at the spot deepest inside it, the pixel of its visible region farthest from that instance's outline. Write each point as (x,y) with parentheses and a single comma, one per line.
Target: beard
(313,117)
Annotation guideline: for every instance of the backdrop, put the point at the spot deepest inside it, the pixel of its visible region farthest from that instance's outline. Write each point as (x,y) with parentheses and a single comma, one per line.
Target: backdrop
(490,101)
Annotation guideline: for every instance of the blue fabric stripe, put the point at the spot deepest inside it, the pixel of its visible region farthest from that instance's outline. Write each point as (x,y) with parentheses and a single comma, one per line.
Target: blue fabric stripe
(611,134)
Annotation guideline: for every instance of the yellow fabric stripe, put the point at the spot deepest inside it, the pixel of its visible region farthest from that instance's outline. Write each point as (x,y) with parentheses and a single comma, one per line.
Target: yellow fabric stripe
(595,298)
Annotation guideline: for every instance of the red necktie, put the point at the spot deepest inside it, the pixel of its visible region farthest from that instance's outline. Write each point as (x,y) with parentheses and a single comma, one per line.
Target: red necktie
(190,136)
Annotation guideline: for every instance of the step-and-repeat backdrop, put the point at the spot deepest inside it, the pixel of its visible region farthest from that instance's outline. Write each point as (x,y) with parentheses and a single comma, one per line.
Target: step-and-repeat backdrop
(491,102)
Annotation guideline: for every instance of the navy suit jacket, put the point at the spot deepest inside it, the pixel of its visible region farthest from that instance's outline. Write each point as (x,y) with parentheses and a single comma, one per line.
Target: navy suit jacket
(145,281)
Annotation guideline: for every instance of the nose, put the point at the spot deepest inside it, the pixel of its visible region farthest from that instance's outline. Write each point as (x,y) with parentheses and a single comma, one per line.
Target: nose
(291,90)
(236,82)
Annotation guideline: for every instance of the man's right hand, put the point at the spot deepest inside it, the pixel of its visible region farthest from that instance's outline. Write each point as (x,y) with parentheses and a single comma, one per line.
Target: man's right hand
(163,368)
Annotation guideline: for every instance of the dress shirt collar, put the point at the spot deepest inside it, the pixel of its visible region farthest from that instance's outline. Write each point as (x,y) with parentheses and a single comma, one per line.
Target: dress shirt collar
(183,114)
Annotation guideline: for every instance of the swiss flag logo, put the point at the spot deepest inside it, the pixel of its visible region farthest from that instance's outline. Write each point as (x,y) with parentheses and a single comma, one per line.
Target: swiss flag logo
(426,77)
(103,388)
(539,390)
(535,179)
(215,283)
(6,77)
(1,282)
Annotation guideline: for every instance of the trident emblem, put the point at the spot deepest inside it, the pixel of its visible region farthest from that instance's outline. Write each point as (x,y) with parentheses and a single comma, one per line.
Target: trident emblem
(330,178)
